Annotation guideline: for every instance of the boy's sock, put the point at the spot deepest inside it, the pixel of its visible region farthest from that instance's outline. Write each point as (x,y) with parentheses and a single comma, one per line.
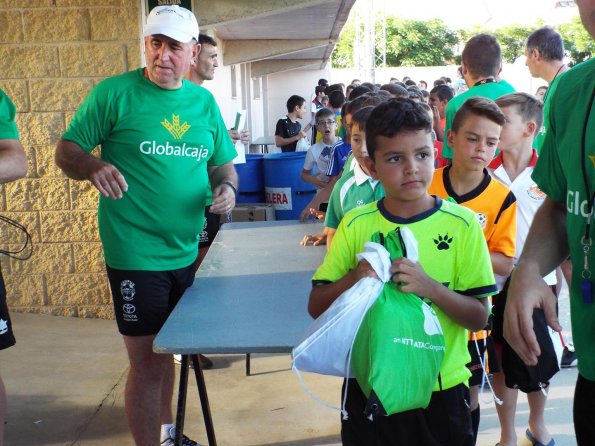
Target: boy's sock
(475,423)
(166,431)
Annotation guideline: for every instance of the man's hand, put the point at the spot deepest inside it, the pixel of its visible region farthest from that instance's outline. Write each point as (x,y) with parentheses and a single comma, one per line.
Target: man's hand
(107,179)
(224,199)
(245,136)
(526,292)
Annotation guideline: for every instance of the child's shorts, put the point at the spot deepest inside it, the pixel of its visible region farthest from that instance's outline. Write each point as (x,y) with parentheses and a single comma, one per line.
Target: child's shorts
(446,421)
(498,306)
(475,365)
(6,335)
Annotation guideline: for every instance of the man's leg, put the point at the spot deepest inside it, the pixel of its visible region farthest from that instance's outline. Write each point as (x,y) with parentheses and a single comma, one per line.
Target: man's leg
(584,395)
(144,389)
(2,410)
(167,394)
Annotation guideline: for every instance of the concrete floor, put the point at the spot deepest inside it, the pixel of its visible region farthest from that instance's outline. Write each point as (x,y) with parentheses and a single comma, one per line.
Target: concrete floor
(65,380)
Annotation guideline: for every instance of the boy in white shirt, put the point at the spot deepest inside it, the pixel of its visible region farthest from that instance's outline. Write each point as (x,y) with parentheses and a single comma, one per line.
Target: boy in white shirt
(513,167)
(319,154)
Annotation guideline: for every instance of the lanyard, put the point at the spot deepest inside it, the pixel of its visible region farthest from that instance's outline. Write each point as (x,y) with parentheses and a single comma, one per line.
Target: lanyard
(586,241)
(488,80)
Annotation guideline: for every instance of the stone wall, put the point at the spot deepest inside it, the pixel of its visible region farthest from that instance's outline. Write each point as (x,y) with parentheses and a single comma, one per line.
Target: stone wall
(53,52)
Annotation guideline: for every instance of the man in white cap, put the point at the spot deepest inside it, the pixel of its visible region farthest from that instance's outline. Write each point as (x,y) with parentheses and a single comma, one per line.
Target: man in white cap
(162,141)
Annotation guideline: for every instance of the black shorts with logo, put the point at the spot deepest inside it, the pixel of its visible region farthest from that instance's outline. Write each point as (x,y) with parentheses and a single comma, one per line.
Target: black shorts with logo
(6,335)
(144,299)
(210,228)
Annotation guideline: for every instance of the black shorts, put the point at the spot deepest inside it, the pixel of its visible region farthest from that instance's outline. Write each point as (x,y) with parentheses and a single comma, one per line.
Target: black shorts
(498,306)
(445,422)
(144,299)
(210,229)
(6,335)
(475,366)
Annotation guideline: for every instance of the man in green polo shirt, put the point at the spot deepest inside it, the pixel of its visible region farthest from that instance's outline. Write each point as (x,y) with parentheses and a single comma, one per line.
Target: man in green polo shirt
(563,225)
(162,141)
(13,165)
(481,66)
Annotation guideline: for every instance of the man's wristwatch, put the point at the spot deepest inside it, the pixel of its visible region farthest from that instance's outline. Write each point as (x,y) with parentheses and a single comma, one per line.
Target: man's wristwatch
(233,188)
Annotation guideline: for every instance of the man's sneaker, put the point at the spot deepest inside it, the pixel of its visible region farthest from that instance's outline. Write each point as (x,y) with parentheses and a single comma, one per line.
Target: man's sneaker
(205,362)
(568,357)
(172,435)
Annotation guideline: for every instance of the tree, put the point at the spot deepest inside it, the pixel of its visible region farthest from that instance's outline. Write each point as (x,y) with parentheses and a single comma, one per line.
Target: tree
(512,41)
(578,43)
(408,43)
(418,43)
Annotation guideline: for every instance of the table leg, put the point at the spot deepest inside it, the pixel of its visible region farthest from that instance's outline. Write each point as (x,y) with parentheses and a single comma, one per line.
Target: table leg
(247,364)
(204,400)
(182,391)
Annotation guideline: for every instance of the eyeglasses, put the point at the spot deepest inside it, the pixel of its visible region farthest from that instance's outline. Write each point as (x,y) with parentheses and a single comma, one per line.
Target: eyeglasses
(329,122)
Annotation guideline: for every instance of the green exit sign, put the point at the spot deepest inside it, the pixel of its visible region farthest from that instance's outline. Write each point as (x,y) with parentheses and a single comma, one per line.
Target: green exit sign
(183,3)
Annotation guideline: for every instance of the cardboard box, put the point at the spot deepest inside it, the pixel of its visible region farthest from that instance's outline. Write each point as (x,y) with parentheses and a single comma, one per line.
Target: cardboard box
(253,212)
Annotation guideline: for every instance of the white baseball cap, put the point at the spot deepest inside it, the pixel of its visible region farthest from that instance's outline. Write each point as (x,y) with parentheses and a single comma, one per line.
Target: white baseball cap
(172,21)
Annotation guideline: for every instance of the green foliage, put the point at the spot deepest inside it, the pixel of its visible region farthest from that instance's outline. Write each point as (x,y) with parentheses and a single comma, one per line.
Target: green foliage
(578,43)
(431,43)
(512,41)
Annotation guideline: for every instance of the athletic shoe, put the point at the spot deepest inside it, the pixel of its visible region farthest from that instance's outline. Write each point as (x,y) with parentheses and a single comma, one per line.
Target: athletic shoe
(205,362)
(568,357)
(172,435)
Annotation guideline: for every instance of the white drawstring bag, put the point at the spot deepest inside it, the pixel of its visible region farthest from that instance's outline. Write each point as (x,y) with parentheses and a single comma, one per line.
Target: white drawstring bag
(326,345)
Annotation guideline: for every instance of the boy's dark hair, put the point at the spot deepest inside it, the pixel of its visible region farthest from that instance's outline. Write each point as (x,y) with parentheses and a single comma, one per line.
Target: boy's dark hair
(414,93)
(319,89)
(482,55)
(323,113)
(410,83)
(443,92)
(396,90)
(203,39)
(294,101)
(478,106)
(322,82)
(529,107)
(369,85)
(395,116)
(336,99)
(548,42)
(361,116)
(358,91)
(425,94)
(439,82)
(333,87)
(366,100)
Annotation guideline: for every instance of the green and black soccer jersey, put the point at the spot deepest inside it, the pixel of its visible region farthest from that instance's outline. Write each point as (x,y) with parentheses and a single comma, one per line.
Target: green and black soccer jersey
(452,250)
(162,141)
(490,90)
(352,190)
(8,128)
(558,173)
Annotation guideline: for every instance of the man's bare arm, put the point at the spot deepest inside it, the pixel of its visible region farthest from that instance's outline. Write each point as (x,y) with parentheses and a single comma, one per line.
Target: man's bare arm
(13,161)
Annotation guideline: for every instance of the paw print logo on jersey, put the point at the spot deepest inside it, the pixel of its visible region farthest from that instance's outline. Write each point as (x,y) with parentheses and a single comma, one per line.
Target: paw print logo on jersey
(443,242)
(482,219)
(127,290)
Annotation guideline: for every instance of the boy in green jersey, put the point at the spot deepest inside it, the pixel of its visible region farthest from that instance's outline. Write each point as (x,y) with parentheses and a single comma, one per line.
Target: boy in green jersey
(481,65)
(454,274)
(355,187)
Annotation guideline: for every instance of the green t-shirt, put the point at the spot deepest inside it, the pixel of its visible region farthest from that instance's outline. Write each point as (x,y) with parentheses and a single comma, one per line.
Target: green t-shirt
(8,128)
(162,142)
(490,90)
(540,138)
(558,173)
(452,250)
(353,189)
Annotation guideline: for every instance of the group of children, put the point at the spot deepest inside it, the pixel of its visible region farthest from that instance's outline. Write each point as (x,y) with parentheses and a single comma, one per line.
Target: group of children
(464,217)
